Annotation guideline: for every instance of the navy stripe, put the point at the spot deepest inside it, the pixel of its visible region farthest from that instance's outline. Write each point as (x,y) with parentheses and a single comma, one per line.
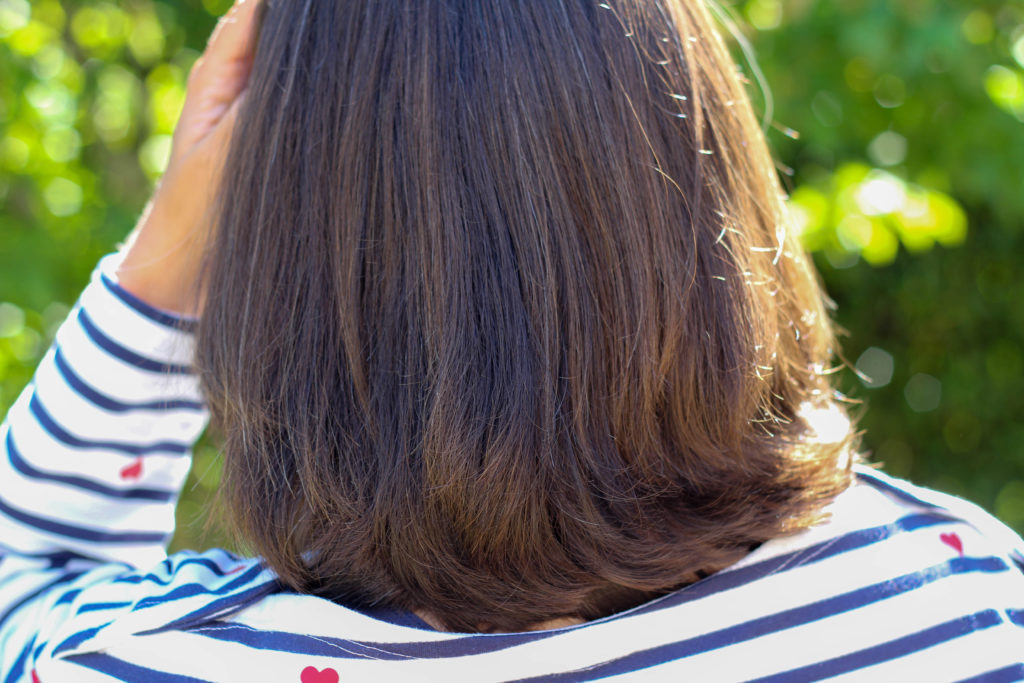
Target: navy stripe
(127,355)
(189,590)
(73,641)
(780,621)
(55,560)
(129,672)
(455,647)
(900,647)
(282,641)
(317,646)
(458,647)
(18,668)
(151,312)
(166,580)
(100,606)
(68,596)
(113,405)
(60,434)
(81,533)
(854,540)
(879,483)
(218,608)
(1016,616)
(64,578)
(324,646)
(81,483)
(1008,674)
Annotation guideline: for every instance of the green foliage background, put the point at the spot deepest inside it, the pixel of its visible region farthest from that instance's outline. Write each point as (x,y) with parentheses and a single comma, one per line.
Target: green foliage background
(899,130)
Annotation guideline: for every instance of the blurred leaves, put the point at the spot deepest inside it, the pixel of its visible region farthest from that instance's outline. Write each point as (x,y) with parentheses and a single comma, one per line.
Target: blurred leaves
(906,184)
(89,95)
(860,211)
(905,181)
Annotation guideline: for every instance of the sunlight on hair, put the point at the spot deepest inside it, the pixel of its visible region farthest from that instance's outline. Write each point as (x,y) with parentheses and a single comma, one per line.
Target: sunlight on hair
(830,425)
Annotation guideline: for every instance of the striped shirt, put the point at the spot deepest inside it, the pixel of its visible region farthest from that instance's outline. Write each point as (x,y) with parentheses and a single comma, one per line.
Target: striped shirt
(900,584)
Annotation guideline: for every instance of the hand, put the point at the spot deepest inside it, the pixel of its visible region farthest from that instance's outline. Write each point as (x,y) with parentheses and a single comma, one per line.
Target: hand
(162,255)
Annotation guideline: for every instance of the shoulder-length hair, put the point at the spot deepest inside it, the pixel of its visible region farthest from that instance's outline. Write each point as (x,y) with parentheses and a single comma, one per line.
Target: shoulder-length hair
(504,317)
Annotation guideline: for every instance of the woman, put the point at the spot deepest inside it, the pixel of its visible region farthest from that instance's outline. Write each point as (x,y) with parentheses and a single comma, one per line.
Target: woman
(520,374)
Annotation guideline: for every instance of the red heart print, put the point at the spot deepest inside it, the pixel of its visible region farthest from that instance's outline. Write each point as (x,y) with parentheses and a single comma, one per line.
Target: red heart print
(133,471)
(954,542)
(35,678)
(313,675)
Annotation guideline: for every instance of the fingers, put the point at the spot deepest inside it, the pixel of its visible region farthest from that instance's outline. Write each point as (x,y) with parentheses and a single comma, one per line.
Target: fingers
(217,80)
(225,127)
(232,39)
(231,46)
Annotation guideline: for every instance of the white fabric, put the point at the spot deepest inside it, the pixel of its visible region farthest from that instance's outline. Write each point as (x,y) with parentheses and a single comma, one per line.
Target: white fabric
(901,583)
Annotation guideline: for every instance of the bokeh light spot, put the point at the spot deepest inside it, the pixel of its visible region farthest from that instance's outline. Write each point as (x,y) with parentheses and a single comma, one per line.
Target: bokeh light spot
(890,91)
(14,14)
(923,393)
(12,320)
(1010,503)
(63,197)
(154,154)
(62,144)
(881,193)
(764,15)
(978,27)
(1005,87)
(888,149)
(875,367)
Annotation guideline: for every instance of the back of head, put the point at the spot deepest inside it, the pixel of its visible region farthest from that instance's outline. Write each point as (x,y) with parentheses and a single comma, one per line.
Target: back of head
(504,320)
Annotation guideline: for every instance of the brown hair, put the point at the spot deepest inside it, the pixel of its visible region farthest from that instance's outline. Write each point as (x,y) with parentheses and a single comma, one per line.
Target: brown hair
(504,321)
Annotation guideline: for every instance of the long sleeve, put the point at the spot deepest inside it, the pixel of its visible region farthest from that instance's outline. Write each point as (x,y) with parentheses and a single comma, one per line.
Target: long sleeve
(94,452)
(97,447)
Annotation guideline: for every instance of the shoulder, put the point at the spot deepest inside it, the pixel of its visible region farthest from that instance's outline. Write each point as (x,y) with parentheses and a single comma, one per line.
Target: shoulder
(959,521)
(897,583)
(105,606)
(879,518)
